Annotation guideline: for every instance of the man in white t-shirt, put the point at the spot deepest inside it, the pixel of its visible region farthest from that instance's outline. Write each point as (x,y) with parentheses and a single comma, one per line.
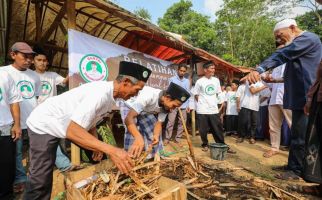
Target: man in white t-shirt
(248,113)
(231,118)
(74,115)
(49,80)
(262,123)
(28,84)
(10,131)
(152,101)
(206,92)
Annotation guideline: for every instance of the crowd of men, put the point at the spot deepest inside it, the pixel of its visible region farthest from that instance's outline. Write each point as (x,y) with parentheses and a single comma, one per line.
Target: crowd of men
(285,88)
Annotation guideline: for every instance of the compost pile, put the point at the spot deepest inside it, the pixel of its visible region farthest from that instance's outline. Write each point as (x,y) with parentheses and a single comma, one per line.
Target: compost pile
(141,183)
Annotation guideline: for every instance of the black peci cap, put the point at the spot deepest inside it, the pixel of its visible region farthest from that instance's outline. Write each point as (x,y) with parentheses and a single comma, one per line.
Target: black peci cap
(177,92)
(134,70)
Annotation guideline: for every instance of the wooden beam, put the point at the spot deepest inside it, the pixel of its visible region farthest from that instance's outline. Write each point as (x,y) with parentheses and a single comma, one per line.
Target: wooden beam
(54,25)
(38,15)
(71,24)
(62,28)
(99,25)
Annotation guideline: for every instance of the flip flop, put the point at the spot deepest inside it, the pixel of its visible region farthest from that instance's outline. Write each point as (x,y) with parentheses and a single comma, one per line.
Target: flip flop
(282,168)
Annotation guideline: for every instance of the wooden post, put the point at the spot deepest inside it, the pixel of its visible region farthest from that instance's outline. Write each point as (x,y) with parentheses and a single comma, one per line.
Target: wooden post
(193,123)
(71,24)
(193,113)
(192,153)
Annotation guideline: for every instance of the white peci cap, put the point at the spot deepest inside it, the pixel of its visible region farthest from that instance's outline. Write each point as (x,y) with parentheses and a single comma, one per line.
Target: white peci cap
(285,24)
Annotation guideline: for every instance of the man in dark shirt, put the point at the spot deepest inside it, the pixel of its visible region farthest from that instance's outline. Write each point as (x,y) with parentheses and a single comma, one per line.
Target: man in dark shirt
(302,55)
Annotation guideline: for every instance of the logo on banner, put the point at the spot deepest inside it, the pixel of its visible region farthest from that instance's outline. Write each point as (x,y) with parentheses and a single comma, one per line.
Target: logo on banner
(93,68)
(26,89)
(1,97)
(45,88)
(210,89)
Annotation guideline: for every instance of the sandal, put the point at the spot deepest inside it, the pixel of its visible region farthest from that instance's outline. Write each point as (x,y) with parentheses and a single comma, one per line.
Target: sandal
(205,148)
(270,153)
(289,175)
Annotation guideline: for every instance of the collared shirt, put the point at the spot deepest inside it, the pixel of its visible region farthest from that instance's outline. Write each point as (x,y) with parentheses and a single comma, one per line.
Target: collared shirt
(8,95)
(302,58)
(147,101)
(184,83)
(28,85)
(277,88)
(207,90)
(85,105)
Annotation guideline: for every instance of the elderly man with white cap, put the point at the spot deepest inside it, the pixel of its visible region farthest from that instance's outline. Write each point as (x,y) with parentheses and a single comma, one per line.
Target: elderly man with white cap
(302,55)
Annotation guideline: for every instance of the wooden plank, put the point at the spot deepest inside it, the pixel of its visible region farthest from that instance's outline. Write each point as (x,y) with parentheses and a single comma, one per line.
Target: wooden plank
(54,25)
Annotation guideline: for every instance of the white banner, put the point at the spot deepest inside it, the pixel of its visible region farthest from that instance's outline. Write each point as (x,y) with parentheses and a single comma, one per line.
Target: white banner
(94,59)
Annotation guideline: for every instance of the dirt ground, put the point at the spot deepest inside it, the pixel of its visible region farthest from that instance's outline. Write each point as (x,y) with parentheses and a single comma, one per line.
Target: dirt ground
(247,164)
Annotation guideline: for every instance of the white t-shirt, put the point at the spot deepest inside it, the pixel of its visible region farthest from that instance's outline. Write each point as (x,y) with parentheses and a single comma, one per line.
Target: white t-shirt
(231,100)
(8,95)
(49,80)
(28,84)
(265,93)
(277,88)
(147,101)
(86,105)
(221,97)
(241,92)
(251,101)
(207,91)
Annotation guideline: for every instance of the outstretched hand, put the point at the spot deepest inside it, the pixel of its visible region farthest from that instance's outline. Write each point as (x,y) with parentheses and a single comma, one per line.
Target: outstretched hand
(252,77)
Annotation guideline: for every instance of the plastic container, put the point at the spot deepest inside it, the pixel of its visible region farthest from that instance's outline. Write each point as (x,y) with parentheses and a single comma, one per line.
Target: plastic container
(218,151)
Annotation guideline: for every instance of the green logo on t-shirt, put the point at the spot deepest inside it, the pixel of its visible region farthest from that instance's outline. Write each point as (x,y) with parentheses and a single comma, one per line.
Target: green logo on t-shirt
(1,95)
(93,68)
(45,88)
(26,89)
(232,99)
(210,89)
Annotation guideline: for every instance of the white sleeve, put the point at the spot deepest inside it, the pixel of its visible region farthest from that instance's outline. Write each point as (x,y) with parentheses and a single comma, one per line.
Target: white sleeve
(12,92)
(86,111)
(162,116)
(138,104)
(240,91)
(218,89)
(58,78)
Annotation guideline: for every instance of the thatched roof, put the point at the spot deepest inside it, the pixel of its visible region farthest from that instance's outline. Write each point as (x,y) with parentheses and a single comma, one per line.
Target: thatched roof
(45,22)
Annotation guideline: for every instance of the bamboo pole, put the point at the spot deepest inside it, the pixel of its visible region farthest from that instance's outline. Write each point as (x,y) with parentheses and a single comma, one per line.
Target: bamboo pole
(187,135)
(71,24)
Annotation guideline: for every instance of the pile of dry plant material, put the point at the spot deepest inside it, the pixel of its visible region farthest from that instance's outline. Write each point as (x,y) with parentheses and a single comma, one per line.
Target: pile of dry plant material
(141,183)
(205,181)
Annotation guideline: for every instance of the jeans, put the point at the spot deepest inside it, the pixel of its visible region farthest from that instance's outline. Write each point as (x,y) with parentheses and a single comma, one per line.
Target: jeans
(62,161)
(21,175)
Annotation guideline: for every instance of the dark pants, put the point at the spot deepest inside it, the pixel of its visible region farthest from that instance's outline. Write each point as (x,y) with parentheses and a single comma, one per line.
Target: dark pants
(262,128)
(231,122)
(42,161)
(247,122)
(212,124)
(313,153)
(298,129)
(7,167)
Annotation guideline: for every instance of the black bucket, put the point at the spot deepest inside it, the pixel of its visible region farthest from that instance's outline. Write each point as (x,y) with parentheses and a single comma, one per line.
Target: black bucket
(218,151)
